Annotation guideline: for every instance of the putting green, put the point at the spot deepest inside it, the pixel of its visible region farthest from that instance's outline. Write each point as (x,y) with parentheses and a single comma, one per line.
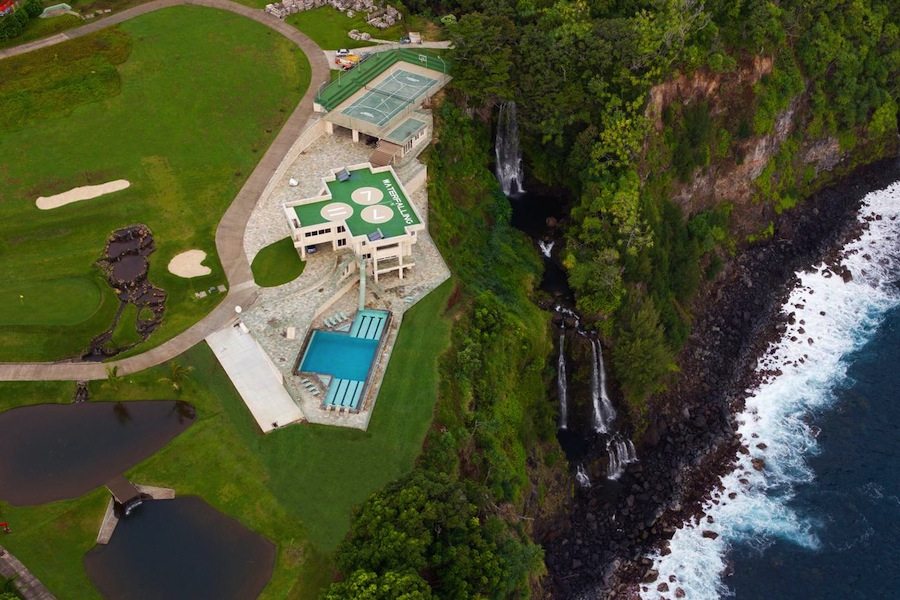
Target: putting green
(181,102)
(65,301)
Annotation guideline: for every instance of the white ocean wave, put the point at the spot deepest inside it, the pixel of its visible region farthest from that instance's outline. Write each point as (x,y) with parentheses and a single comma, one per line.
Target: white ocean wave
(832,319)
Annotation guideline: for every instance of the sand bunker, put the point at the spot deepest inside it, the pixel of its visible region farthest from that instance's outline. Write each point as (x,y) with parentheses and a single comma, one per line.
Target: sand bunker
(187,264)
(85,192)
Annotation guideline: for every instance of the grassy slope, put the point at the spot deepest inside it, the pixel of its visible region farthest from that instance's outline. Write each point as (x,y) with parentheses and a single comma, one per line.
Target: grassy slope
(187,126)
(294,486)
(277,264)
(328,28)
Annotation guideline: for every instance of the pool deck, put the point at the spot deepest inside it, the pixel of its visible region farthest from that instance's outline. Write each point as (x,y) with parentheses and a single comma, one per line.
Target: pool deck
(257,379)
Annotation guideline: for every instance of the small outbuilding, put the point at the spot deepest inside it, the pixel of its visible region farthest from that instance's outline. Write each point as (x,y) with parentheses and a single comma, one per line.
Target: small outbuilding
(125,494)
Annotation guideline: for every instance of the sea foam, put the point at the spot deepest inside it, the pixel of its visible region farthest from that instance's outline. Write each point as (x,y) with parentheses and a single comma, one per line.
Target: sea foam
(799,378)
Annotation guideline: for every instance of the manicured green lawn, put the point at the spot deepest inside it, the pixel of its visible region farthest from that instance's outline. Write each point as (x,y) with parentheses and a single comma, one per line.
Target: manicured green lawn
(65,301)
(181,102)
(296,486)
(328,28)
(277,264)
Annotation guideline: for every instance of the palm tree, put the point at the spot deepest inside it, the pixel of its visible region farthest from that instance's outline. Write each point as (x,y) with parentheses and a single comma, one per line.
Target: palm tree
(177,375)
(113,379)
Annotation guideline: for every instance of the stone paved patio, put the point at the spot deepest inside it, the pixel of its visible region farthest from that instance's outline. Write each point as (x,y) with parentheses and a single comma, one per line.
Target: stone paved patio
(267,223)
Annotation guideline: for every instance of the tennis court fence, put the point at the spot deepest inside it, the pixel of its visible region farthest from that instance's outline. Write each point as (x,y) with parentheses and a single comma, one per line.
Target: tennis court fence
(333,94)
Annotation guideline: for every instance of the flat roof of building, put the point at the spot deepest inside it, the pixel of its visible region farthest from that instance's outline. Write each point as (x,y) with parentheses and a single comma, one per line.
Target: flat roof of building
(405,131)
(366,202)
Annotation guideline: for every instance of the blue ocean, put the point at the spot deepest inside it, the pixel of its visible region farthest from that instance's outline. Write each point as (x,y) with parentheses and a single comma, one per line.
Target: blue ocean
(854,501)
(812,506)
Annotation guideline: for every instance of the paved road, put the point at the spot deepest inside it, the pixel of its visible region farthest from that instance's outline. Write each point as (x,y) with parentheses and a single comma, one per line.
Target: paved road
(242,291)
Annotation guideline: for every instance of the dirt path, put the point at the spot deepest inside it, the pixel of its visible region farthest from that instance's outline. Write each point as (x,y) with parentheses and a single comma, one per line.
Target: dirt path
(230,232)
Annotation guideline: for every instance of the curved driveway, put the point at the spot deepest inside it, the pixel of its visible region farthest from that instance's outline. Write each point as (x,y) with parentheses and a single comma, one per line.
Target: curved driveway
(230,232)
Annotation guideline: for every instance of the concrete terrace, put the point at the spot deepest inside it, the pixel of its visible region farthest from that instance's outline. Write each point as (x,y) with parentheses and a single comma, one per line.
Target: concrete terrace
(256,378)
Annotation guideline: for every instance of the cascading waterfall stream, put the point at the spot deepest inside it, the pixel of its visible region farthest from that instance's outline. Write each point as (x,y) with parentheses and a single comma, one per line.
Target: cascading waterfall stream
(621,453)
(561,381)
(582,477)
(546,247)
(604,413)
(510,172)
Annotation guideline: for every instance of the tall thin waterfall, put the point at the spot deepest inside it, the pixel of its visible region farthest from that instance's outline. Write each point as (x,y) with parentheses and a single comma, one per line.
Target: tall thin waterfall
(581,476)
(506,148)
(604,413)
(561,382)
(621,452)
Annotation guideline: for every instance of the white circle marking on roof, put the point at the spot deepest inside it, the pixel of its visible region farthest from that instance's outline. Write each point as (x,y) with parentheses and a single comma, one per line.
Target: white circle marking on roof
(336,211)
(377,214)
(367,195)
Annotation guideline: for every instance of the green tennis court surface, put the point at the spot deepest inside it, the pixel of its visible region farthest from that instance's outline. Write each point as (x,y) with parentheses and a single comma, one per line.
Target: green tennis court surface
(382,103)
(366,202)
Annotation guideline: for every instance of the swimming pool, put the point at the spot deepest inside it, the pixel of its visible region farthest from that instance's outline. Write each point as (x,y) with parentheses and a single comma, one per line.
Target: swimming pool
(339,355)
(346,357)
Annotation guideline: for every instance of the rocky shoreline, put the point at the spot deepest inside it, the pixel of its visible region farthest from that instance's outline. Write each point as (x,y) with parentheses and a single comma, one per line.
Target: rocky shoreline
(600,541)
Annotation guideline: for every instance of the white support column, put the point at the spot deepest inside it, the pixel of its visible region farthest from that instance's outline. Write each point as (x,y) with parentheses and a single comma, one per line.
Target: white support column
(329,127)
(355,134)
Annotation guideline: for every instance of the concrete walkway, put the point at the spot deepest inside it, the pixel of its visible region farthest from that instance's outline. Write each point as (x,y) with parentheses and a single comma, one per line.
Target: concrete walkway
(230,232)
(27,584)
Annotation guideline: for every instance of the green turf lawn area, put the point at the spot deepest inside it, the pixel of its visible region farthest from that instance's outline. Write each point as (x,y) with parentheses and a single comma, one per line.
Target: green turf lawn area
(328,27)
(182,102)
(296,486)
(277,264)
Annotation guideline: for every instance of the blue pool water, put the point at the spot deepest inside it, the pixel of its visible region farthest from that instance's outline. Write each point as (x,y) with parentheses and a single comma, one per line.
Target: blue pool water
(340,355)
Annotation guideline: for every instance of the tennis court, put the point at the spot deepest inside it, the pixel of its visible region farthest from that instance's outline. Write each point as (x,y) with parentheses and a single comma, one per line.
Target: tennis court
(387,98)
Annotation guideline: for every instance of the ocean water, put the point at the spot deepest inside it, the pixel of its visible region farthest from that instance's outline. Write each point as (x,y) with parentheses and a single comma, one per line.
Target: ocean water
(813,510)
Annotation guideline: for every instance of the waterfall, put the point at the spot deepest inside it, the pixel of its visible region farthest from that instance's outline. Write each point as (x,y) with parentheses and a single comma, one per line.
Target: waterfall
(582,477)
(561,381)
(604,413)
(621,453)
(546,247)
(506,149)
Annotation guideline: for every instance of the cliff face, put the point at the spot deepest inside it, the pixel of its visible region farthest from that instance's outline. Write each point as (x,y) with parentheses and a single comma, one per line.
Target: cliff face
(735,174)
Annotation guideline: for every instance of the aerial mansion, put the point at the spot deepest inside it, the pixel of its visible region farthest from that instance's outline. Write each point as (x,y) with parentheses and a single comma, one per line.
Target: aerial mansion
(364,209)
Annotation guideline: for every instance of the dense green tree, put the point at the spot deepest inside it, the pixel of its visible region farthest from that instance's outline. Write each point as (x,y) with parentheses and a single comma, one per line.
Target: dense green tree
(366,585)
(482,56)
(640,355)
(33,8)
(428,523)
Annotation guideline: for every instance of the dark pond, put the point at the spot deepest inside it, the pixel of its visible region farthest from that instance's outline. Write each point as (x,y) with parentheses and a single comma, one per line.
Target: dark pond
(55,451)
(181,548)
